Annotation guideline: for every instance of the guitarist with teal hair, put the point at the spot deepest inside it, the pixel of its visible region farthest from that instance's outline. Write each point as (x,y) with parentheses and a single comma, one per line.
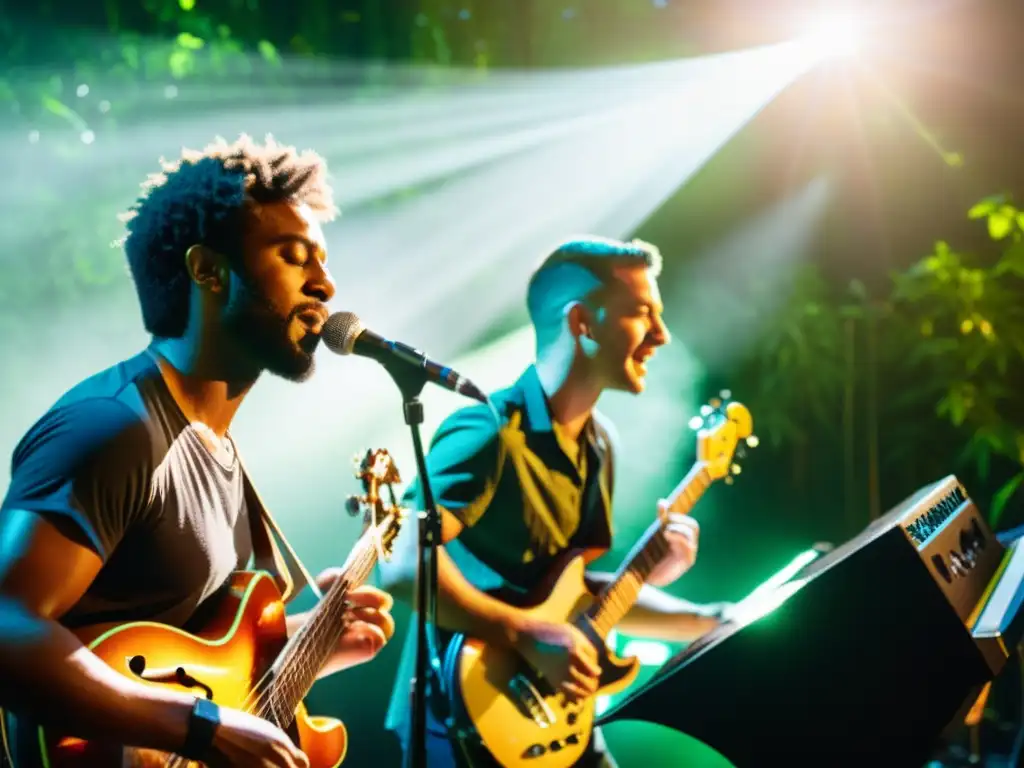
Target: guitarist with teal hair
(523,482)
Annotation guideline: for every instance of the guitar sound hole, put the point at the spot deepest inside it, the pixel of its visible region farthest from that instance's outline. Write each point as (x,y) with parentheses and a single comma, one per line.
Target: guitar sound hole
(137,664)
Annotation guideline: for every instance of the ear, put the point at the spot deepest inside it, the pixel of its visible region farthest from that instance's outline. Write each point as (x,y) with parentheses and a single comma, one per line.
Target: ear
(581,322)
(206,268)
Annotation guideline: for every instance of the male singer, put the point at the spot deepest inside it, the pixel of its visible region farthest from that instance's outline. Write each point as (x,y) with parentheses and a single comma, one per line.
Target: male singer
(128,500)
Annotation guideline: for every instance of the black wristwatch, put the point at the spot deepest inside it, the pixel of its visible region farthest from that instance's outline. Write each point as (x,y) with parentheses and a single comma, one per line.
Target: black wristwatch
(202,724)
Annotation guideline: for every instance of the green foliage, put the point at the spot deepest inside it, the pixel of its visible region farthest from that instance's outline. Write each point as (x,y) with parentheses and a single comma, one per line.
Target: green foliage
(950,342)
(958,322)
(798,363)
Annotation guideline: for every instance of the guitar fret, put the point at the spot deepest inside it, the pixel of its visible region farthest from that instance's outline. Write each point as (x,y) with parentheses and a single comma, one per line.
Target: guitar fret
(618,597)
(312,645)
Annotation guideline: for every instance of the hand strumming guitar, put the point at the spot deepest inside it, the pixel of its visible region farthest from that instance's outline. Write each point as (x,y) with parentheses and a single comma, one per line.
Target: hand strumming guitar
(246,741)
(563,655)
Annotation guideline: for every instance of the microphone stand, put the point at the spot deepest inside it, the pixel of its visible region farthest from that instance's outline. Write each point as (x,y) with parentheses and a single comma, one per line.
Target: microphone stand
(426,676)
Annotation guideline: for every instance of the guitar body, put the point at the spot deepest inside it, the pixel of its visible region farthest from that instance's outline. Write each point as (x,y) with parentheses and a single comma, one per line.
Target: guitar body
(518,714)
(224,662)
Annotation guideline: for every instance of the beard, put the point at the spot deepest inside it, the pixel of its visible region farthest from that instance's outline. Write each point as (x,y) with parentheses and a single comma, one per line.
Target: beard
(263,333)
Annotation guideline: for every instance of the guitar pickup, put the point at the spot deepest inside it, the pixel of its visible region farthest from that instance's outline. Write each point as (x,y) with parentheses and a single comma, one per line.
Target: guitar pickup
(531,701)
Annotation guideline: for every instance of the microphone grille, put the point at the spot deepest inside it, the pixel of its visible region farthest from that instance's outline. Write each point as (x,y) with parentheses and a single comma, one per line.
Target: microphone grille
(341,331)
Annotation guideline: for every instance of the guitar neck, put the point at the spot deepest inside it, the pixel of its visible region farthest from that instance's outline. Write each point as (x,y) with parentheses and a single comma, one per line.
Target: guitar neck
(306,652)
(617,597)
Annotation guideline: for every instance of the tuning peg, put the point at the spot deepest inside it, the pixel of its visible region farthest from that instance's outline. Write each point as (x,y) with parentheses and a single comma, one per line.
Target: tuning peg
(725,394)
(353,505)
(752,441)
(728,480)
(696,423)
(706,410)
(735,469)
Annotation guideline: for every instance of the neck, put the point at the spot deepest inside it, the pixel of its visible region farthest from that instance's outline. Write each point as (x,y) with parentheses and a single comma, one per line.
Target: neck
(571,394)
(204,387)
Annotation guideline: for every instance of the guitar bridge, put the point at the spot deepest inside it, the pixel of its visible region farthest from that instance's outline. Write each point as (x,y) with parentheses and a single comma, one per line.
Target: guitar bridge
(531,701)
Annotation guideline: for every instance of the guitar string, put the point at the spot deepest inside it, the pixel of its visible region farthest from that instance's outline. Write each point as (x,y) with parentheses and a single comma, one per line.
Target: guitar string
(260,700)
(267,687)
(362,564)
(297,667)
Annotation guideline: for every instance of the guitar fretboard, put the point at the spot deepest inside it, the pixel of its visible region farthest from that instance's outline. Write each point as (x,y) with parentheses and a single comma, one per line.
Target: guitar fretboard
(307,651)
(621,594)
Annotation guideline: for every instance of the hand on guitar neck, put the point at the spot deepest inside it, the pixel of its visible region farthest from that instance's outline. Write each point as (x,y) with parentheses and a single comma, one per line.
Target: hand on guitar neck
(682,535)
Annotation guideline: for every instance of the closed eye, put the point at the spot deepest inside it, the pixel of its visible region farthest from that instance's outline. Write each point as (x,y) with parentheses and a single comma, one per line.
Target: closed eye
(295,253)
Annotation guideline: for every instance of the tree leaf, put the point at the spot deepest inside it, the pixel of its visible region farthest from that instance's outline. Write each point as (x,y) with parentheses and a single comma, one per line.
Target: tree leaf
(1002,498)
(981,210)
(180,63)
(269,52)
(986,206)
(189,41)
(1000,225)
(1011,261)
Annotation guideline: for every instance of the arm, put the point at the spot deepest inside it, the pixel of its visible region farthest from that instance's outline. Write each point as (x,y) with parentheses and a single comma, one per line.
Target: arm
(45,671)
(464,464)
(461,607)
(660,616)
(78,479)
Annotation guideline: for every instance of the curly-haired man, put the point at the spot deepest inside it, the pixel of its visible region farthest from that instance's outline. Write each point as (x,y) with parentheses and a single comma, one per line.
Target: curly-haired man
(128,500)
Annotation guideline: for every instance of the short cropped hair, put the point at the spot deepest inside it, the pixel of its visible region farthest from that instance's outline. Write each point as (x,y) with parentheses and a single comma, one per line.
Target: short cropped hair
(577,270)
(198,200)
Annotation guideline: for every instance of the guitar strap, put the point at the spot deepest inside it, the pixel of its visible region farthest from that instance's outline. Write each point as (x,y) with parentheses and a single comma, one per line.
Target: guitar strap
(271,551)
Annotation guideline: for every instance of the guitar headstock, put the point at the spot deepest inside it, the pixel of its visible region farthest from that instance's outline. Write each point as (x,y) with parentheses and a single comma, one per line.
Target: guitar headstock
(724,430)
(378,473)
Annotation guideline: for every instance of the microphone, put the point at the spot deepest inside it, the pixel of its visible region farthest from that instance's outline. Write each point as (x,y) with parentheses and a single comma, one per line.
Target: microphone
(345,334)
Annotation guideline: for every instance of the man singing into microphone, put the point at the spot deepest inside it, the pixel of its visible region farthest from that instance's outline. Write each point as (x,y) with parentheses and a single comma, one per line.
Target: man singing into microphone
(519,485)
(128,500)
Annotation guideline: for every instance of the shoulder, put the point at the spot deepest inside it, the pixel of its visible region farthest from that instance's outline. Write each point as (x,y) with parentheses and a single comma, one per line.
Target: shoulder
(117,382)
(70,435)
(102,413)
(473,426)
(486,421)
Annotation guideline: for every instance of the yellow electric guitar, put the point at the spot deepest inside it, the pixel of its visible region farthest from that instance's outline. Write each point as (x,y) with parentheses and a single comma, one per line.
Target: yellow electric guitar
(508,697)
(243,658)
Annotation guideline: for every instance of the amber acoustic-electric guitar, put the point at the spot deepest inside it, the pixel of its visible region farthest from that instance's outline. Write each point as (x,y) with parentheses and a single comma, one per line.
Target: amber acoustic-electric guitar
(243,658)
(509,697)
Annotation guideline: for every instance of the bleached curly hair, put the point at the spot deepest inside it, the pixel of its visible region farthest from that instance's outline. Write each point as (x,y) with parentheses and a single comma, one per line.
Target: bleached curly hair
(197,200)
